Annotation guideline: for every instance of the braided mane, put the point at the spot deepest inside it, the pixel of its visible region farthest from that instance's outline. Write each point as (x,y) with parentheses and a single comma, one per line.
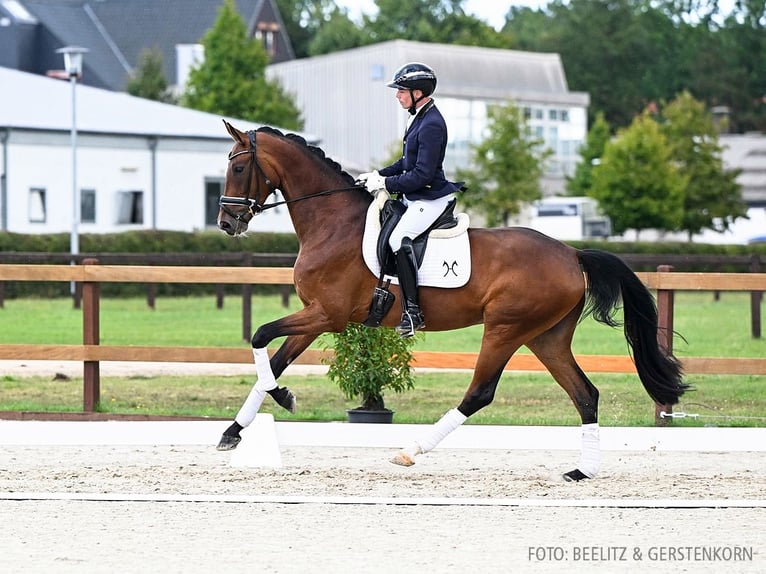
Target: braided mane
(318,152)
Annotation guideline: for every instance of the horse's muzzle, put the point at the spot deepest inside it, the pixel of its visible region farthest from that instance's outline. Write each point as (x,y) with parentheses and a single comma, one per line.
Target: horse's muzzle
(231,226)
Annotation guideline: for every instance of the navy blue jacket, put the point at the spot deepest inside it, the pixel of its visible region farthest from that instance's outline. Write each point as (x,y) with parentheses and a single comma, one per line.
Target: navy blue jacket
(419,174)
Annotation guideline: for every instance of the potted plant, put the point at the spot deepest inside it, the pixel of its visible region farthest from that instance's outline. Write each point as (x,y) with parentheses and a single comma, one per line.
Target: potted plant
(367,362)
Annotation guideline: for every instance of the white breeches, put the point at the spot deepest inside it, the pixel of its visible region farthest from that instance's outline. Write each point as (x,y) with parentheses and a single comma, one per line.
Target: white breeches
(419,216)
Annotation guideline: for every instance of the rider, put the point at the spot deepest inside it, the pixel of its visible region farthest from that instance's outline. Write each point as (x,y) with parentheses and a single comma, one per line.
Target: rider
(418,176)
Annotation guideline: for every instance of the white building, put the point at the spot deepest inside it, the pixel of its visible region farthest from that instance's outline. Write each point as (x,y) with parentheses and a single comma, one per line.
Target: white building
(140,164)
(345,101)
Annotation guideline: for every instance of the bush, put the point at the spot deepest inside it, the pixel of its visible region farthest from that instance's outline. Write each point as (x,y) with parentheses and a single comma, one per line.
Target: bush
(369,361)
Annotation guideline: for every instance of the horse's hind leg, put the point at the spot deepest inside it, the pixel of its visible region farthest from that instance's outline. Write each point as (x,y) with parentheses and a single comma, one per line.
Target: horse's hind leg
(553,348)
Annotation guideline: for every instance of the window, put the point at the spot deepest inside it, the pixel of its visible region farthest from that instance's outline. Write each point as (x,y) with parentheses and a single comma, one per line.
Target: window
(266,32)
(213,190)
(376,72)
(37,210)
(88,206)
(130,207)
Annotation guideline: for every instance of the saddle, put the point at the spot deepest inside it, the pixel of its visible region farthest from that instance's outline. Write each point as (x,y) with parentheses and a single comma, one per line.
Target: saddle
(443,261)
(390,215)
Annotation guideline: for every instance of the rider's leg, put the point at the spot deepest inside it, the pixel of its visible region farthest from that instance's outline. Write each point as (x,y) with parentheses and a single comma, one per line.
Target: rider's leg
(406,265)
(419,216)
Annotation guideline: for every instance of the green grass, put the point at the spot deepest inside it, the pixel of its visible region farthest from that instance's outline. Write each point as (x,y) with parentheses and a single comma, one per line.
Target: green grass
(707,328)
(522,399)
(710,328)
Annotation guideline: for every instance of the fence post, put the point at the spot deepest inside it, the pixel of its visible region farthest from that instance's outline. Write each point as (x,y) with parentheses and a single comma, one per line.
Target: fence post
(247,301)
(665,301)
(755,300)
(219,294)
(90,336)
(77,295)
(151,296)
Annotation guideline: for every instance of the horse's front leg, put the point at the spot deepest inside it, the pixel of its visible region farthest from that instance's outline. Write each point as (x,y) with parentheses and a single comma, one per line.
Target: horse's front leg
(268,370)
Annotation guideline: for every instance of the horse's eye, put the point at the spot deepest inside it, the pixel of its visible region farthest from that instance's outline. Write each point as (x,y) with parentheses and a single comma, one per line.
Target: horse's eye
(239,168)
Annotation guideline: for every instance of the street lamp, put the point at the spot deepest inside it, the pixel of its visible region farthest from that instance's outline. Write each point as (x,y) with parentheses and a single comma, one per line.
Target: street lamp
(73,68)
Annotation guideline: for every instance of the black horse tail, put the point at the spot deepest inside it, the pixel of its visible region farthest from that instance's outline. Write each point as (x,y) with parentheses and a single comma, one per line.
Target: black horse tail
(610,280)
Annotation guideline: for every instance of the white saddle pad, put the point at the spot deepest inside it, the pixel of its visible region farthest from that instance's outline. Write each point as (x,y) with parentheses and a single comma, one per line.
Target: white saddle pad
(447,260)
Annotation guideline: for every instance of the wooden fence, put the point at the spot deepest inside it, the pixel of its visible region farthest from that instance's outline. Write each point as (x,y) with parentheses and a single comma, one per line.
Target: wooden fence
(90,275)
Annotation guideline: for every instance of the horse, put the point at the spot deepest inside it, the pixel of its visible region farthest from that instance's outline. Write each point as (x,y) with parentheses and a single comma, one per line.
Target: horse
(525,288)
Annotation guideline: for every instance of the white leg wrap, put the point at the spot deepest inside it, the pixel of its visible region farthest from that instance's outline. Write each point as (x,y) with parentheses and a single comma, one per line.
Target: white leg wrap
(590,456)
(445,425)
(266,379)
(265,382)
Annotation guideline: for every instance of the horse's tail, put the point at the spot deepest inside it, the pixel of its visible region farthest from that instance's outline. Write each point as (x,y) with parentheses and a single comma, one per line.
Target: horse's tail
(610,280)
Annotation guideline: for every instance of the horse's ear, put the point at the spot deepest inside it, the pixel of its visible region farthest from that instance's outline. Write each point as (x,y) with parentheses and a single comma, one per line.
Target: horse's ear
(234,132)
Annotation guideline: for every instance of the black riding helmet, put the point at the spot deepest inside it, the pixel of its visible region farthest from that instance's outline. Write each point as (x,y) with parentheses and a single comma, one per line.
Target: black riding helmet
(414,76)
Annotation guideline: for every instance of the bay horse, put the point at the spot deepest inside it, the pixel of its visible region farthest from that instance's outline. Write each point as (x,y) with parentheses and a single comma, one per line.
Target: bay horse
(525,287)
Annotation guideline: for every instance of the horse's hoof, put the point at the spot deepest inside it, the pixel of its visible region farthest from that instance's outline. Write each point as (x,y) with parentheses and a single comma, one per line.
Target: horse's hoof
(228,442)
(575,476)
(284,398)
(403,459)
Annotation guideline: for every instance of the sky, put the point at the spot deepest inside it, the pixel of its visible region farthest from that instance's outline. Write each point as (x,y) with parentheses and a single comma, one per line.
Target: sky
(491,11)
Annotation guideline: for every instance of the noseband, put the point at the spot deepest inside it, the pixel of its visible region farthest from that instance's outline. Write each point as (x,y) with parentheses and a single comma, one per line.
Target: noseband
(256,206)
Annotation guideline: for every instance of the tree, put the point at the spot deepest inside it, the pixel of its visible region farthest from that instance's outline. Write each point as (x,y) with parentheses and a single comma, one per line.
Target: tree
(303,21)
(636,183)
(147,80)
(590,153)
(441,21)
(232,81)
(712,197)
(508,165)
(337,33)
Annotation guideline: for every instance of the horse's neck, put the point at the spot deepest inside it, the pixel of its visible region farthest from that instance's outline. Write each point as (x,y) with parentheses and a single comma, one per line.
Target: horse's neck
(329,221)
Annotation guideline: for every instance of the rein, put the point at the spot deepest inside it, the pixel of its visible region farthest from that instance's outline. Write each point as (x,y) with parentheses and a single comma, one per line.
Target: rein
(254,207)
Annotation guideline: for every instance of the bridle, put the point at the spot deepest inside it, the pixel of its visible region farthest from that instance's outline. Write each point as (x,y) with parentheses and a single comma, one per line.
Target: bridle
(256,206)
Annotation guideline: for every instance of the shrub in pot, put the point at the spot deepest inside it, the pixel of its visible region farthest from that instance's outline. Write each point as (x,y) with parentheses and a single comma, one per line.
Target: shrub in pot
(367,362)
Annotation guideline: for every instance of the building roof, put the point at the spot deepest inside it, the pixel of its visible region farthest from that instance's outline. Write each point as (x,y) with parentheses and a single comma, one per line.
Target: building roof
(116,31)
(470,71)
(33,102)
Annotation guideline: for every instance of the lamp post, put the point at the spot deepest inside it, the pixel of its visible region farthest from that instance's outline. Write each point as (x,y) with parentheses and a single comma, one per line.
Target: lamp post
(73,68)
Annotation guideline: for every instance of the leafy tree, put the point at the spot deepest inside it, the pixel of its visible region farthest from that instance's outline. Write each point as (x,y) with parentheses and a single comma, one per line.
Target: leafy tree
(304,19)
(712,197)
(441,21)
(508,166)
(147,80)
(528,29)
(232,82)
(337,33)
(636,183)
(590,153)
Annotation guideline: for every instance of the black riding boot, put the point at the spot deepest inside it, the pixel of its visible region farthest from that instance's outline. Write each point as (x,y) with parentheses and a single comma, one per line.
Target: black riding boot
(406,265)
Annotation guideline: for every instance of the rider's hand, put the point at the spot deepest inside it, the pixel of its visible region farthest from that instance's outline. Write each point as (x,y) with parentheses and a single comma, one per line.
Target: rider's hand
(375,182)
(364,176)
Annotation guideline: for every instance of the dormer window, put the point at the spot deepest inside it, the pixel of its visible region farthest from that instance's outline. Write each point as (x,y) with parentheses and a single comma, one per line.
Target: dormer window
(267,33)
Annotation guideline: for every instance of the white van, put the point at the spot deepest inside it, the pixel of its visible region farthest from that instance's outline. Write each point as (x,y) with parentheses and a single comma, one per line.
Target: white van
(570,218)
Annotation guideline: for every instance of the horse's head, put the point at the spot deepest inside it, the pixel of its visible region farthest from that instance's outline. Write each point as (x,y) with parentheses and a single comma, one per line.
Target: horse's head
(247,186)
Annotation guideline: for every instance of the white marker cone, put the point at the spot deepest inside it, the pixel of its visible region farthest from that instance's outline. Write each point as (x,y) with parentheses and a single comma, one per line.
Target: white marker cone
(259,446)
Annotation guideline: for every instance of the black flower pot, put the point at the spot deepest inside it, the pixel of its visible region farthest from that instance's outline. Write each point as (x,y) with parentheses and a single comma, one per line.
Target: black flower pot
(363,416)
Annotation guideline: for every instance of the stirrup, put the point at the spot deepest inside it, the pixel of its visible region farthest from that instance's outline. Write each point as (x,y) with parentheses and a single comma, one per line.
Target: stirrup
(411,322)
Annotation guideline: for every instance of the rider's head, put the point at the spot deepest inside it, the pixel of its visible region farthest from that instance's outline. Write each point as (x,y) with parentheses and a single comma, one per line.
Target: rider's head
(414,77)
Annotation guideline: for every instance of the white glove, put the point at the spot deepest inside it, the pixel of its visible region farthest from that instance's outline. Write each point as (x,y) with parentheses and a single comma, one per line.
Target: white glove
(375,182)
(364,176)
